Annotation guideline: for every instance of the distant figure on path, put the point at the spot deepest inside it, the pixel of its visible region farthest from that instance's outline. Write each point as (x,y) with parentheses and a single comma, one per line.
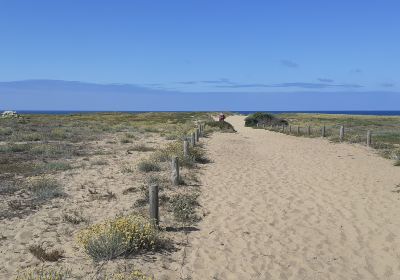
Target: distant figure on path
(221,117)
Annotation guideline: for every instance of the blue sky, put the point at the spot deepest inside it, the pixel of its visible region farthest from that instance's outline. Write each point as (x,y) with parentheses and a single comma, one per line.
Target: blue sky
(301,48)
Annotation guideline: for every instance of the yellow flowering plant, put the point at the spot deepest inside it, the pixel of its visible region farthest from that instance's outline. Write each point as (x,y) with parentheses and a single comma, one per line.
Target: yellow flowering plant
(120,236)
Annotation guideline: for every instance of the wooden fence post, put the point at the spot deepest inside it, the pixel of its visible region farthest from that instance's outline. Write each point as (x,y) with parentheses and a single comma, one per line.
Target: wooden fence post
(283,128)
(369,138)
(185,148)
(175,171)
(309,130)
(196,133)
(290,129)
(323,133)
(153,201)
(341,133)
(298,130)
(193,140)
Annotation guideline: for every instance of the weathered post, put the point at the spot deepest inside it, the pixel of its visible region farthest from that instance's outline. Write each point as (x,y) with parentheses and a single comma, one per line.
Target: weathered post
(185,148)
(175,171)
(323,133)
(309,130)
(257,124)
(283,128)
(298,130)
(290,129)
(369,138)
(264,125)
(193,139)
(197,134)
(341,133)
(153,201)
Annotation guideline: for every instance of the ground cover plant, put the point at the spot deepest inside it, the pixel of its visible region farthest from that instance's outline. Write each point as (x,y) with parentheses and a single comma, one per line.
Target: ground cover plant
(54,166)
(121,236)
(385,130)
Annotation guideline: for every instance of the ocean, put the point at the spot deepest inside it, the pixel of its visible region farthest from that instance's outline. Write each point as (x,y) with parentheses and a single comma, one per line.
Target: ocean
(372,113)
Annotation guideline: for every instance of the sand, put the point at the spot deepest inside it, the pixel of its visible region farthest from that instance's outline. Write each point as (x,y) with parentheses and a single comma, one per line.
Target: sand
(285,207)
(274,207)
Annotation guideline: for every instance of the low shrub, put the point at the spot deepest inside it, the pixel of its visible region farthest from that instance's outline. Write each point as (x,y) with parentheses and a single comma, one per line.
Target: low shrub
(141,148)
(7,188)
(54,166)
(183,207)
(263,118)
(32,136)
(126,141)
(121,236)
(5,131)
(397,163)
(196,154)
(149,166)
(43,274)
(127,169)
(99,162)
(46,188)
(222,126)
(130,135)
(15,148)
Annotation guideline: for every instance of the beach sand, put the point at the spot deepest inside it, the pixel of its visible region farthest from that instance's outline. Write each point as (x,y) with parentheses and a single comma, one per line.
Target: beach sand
(285,207)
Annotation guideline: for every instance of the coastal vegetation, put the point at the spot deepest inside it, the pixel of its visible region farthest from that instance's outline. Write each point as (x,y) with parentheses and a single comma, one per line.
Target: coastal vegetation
(385,130)
(261,119)
(82,180)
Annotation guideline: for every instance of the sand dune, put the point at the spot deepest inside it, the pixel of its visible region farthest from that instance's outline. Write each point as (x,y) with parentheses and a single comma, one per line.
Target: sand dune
(284,207)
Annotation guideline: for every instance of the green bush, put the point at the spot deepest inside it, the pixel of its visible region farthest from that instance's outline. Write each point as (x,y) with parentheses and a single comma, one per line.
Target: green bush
(263,118)
(223,126)
(118,237)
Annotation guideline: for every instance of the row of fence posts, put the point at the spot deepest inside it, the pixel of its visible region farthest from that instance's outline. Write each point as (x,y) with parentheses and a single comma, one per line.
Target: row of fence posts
(323,132)
(192,140)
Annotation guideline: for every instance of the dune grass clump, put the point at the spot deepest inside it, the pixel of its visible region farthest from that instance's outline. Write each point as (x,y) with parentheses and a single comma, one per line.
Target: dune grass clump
(121,236)
(149,166)
(397,163)
(43,274)
(183,207)
(46,188)
(196,154)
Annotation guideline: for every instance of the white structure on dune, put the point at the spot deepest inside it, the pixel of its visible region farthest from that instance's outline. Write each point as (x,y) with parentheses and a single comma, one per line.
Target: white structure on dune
(9,114)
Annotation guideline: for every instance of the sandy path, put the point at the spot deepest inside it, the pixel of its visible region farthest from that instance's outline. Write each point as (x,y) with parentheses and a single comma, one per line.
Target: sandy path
(282,207)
